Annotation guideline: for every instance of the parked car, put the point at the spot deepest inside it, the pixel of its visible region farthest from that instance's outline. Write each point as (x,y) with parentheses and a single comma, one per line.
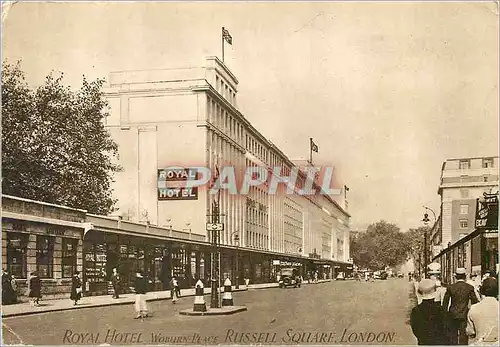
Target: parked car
(376,275)
(383,275)
(400,275)
(289,278)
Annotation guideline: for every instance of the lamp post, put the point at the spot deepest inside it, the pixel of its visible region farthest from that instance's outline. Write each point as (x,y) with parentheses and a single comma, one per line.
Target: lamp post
(237,241)
(426,221)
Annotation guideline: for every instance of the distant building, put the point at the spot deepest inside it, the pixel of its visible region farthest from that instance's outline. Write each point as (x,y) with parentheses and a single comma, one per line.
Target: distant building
(463,181)
(462,235)
(189,117)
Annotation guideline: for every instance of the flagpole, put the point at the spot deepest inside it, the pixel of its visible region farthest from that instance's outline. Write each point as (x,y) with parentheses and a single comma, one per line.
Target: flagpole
(222,37)
(310,151)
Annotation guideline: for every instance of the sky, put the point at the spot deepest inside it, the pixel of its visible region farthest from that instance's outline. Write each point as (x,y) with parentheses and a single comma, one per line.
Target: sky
(387,90)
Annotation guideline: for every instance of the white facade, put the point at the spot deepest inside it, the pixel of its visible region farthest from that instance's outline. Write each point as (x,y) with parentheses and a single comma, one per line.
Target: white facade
(189,117)
(463,180)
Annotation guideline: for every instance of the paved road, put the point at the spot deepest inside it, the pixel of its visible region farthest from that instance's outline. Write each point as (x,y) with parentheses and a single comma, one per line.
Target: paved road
(339,312)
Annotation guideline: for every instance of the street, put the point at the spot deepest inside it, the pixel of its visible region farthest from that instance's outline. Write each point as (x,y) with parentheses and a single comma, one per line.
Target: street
(337,312)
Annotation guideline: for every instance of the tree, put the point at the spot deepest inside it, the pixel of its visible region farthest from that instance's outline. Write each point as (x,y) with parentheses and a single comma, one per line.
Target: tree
(54,144)
(415,242)
(382,245)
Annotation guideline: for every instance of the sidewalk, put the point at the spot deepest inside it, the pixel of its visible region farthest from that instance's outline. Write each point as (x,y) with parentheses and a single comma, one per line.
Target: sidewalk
(106,300)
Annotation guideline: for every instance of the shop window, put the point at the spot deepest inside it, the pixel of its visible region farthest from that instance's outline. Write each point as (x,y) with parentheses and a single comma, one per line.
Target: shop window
(69,251)
(95,256)
(44,256)
(17,245)
(464,223)
(464,209)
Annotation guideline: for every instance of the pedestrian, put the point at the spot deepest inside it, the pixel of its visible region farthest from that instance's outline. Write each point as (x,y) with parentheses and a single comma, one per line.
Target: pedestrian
(461,295)
(482,319)
(173,291)
(35,285)
(13,285)
(247,282)
(7,291)
(177,289)
(76,288)
(140,287)
(427,319)
(116,282)
(440,291)
(474,282)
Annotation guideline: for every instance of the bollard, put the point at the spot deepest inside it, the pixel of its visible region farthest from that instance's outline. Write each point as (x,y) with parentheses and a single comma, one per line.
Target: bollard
(199,299)
(227,297)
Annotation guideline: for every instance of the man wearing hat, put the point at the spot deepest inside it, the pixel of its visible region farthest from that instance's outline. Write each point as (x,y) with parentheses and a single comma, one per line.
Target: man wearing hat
(482,320)
(427,320)
(460,294)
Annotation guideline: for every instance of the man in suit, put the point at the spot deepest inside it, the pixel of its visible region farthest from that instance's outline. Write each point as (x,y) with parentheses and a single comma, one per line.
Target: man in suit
(427,320)
(461,295)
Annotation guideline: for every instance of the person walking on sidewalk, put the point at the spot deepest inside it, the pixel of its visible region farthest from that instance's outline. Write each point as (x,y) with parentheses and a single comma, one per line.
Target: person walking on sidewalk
(35,285)
(141,284)
(7,290)
(116,282)
(174,290)
(76,288)
(482,319)
(428,320)
(461,294)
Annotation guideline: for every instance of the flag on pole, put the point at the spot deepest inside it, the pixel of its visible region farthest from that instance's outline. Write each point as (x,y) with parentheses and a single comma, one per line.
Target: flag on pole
(226,36)
(314,147)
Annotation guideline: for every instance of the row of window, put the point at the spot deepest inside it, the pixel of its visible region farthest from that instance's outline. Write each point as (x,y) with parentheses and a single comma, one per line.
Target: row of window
(292,247)
(225,90)
(17,255)
(464,164)
(223,120)
(256,239)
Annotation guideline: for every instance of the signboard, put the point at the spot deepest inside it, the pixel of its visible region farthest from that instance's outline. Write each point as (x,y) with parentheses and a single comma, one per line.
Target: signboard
(487,212)
(215,226)
(172,184)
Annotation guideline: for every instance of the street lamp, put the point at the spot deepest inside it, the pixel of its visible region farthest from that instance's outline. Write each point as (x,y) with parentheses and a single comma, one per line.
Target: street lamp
(426,221)
(237,241)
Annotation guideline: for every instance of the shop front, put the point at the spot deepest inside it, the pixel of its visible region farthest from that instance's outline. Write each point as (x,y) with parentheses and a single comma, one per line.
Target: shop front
(478,251)
(160,258)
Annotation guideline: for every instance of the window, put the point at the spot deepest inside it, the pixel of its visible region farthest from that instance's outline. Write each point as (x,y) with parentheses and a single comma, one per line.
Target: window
(464,209)
(44,255)
(464,193)
(464,223)
(464,164)
(487,163)
(485,178)
(69,249)
(17,245)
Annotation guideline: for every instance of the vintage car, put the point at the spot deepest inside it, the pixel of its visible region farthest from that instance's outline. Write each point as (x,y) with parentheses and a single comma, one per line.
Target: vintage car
(289,278)
(340,277)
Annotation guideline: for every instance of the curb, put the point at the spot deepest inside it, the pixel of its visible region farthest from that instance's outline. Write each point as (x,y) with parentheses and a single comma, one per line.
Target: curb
(131,302)
(80,307)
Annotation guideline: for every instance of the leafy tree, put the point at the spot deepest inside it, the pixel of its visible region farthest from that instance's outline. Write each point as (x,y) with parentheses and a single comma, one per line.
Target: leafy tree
(382,245)
(54,144)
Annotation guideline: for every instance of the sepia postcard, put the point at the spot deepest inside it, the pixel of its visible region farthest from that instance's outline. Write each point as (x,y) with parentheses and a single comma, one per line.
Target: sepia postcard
(250,173)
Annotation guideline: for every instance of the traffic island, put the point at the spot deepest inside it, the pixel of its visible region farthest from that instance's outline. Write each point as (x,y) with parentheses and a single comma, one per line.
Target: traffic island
(223,311)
